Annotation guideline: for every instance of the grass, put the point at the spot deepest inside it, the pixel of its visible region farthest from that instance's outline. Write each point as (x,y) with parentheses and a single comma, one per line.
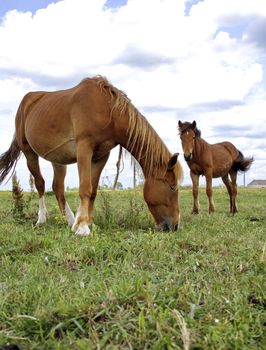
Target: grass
(130,287)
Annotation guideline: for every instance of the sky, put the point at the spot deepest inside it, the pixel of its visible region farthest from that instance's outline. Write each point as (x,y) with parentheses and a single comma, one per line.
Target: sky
(202,60)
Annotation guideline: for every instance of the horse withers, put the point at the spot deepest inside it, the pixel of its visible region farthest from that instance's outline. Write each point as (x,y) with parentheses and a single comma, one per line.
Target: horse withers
(211,160)
(82,124)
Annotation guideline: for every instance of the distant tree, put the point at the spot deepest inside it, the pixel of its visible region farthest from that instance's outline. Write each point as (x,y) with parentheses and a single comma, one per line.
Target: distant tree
(119,185)
(103,187)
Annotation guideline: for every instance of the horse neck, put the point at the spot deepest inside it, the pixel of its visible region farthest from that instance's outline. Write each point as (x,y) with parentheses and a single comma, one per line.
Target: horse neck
(198,146)
(136,135)
(147,148)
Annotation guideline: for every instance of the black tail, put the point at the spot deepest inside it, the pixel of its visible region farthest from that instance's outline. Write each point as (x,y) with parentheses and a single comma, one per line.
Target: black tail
(241,163)
(9,159)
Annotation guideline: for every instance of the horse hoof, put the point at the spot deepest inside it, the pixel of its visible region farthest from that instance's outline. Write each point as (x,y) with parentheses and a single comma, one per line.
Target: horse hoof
(40,221)
(42,218)
(83,231)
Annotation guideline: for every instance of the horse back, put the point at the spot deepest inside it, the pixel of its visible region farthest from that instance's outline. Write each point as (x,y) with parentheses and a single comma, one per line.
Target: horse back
(227,148)
(46,120)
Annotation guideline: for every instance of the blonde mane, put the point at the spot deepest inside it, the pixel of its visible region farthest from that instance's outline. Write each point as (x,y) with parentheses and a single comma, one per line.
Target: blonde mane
(143,141)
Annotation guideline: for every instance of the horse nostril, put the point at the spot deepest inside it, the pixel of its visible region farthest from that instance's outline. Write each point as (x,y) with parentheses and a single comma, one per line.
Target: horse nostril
(188,157)
(176,227)
(165,228)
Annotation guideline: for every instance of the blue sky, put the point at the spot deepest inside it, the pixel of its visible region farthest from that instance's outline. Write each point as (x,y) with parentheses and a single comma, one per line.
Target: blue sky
(22,5)
(176,59)
(34,5)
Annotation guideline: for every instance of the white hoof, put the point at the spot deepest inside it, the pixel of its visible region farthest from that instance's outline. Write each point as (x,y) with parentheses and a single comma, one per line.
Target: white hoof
(83,230)
(42,217)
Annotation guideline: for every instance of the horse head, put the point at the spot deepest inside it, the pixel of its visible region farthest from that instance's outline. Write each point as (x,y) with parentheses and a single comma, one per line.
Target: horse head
(161,195)
(188,133)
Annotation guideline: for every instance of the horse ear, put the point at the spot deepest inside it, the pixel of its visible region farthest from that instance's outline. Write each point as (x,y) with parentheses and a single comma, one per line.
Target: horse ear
(172,161)
(194,124)
(180,124)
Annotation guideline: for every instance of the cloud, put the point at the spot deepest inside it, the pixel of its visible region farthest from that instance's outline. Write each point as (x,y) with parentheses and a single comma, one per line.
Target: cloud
(256,32)
(231,130)
(243,131)
(137,57)
(208,107)
(72,39)
(5,111)
(175,59)
(38,78)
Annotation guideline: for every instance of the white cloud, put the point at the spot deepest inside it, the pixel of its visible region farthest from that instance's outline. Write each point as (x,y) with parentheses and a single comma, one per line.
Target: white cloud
(206,64)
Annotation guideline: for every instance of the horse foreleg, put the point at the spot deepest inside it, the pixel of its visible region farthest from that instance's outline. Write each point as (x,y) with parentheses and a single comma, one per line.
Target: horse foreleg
(233,175)
(209,193)
(96,171)
(59,190)
(84,158)
(195,192)
(228,185)
(34,168)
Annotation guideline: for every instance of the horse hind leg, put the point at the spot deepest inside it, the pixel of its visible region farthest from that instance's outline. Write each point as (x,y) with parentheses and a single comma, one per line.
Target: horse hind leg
(34,168)
(59,190)
(209,191)
(228,185)
(233,175)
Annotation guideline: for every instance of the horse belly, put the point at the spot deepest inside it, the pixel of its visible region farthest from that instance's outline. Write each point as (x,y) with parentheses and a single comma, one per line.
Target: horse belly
(53,140)
(222,167)
(64,154)
(61,153)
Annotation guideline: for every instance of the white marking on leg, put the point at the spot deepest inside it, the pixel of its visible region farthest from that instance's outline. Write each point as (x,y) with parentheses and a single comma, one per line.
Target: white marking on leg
(69,215)
(80,228)
(42,213)
(83,230)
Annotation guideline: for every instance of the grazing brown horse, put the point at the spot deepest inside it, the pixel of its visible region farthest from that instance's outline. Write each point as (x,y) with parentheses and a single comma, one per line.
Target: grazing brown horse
(211,160)
(82,124)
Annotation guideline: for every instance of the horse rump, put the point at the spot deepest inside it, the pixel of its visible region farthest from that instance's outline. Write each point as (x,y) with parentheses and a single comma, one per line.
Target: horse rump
(241,163)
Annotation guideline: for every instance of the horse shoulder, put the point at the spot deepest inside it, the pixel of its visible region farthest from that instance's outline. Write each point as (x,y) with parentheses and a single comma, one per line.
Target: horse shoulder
(204,154)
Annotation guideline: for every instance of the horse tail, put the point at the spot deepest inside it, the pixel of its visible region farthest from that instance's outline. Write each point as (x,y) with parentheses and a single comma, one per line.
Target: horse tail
(9,159)
(241,163)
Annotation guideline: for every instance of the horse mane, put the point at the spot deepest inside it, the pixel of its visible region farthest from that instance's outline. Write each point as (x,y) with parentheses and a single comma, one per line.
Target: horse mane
(143,141)
(187,125)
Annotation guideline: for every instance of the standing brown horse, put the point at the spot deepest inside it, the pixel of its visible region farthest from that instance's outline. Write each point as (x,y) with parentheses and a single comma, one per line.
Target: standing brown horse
(217,160)
(82,124)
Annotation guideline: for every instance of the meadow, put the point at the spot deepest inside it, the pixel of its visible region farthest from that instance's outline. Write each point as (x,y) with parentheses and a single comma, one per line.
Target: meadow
(128,286)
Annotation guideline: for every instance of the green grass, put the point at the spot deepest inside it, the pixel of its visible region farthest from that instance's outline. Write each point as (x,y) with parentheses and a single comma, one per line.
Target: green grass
(130,287)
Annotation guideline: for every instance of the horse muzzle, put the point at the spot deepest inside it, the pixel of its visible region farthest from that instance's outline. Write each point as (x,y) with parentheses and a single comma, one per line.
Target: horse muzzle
(187,156)
(166,227)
